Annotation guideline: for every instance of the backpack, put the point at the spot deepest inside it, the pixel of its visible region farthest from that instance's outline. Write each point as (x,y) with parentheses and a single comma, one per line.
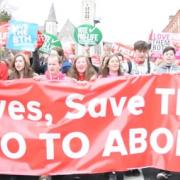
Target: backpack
(148,66)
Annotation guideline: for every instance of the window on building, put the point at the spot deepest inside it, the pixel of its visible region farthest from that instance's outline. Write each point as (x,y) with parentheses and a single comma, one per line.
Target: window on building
(87,11)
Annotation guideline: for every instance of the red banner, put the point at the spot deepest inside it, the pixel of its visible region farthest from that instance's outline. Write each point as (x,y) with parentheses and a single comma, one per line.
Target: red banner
(126,50)
(110,125)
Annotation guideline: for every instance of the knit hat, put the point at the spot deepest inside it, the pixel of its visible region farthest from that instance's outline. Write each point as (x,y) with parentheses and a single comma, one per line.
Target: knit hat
(65,66)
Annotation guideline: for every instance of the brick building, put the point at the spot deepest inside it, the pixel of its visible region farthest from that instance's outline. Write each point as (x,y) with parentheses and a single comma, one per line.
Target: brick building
(174,24)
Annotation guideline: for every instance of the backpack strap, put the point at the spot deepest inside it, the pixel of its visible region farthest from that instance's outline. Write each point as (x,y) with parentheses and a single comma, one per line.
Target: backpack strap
(129,66)
(148,65)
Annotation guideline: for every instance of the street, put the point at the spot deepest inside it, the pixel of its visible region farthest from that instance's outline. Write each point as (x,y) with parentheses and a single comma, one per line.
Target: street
(146,174)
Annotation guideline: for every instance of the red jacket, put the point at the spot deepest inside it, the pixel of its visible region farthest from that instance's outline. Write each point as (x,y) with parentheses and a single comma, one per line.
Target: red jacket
(3,71)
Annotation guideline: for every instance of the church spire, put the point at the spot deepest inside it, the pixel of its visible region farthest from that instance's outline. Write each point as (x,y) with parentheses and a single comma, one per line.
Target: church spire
(52,14)
(51,22)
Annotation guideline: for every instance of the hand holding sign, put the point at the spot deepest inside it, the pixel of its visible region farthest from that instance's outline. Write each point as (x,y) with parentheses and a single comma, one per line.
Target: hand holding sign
(50,42)
(22,36)
(40,39)
(87,35)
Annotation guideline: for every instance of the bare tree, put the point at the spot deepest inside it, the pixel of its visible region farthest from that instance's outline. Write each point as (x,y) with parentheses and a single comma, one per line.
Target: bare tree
(8,6)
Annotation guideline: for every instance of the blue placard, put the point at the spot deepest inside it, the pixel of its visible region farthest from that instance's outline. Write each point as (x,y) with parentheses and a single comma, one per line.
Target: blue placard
(22,36)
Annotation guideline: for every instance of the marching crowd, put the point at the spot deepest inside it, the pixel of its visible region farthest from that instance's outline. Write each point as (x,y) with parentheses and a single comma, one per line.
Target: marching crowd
(81,69)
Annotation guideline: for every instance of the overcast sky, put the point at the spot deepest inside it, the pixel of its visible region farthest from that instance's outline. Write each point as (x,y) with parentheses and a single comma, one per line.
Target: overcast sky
(121,20)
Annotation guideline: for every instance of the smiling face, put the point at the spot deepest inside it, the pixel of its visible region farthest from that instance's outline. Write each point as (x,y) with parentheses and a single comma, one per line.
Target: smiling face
(19,63)
(81,64)
(113,64)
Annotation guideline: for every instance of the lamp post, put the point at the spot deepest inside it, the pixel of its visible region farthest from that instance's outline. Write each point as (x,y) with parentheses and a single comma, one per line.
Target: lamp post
(97,48)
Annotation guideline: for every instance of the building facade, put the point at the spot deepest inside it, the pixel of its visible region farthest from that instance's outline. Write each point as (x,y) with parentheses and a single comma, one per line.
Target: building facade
(174,24)
(88,16)
(66,36)
(88,11)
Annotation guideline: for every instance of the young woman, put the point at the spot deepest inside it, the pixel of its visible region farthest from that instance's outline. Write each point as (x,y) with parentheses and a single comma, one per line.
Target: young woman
(20,67)
(112,67)
(53,73)
(54,63)
(82,70)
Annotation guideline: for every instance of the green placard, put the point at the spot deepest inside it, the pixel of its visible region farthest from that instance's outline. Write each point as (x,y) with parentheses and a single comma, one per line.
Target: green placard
(50,42)
(87,35)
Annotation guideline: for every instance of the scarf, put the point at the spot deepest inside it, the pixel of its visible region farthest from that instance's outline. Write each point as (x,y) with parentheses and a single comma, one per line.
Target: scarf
(81,77)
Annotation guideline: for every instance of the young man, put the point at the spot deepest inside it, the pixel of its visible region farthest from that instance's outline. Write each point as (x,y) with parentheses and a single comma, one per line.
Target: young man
(167,65)
(141,63)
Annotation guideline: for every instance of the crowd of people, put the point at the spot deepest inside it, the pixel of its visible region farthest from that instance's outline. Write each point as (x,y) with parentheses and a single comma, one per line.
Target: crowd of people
(55,66)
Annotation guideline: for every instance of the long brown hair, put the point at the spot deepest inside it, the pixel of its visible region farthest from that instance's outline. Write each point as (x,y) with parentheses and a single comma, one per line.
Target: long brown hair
(105,70)
(90,71)
(28,72)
